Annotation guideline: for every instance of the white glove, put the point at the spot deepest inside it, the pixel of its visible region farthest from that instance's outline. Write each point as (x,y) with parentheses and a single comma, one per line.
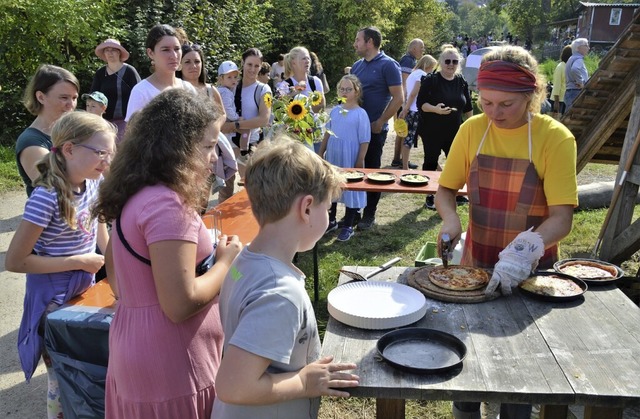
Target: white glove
(516,262)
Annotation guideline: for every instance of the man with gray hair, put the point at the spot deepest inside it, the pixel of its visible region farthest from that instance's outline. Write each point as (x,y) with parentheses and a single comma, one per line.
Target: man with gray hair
(576,73)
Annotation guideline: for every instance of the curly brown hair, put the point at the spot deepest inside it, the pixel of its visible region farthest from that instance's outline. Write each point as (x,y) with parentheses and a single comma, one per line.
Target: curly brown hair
(160,147)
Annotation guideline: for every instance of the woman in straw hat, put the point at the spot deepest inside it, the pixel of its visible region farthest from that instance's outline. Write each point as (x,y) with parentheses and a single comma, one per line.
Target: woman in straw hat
(115,80)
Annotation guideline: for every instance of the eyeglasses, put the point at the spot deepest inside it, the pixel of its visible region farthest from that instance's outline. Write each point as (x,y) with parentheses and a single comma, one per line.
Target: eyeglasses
(449,62)
(102,154)
(345,89)
(110,50)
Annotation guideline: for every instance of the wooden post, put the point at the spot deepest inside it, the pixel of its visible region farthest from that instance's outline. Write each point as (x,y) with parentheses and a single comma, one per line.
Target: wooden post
(389,408)
(553,411)
(621,239)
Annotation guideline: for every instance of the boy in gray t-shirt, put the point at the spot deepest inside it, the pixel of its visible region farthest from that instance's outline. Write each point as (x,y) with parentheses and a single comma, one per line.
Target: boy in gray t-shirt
(270,367)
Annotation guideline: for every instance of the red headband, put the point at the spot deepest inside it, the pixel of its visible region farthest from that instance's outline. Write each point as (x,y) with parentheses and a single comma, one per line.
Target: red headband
(505,76)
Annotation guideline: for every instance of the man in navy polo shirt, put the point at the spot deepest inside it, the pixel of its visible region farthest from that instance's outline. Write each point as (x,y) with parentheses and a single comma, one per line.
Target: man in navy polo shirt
(381,98)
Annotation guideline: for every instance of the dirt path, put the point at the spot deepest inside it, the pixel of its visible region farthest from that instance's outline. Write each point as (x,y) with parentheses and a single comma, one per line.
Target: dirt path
(17,398)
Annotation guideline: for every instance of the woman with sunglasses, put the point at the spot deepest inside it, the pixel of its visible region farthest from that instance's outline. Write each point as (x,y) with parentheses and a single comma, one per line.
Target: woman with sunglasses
(520,170)
(443,100)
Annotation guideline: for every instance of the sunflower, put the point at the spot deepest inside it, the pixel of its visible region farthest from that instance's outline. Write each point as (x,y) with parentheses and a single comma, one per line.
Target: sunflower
(268,100)
(316,98)
(296,110)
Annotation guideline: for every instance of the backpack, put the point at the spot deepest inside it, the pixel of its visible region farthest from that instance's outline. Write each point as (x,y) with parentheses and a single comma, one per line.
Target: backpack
(310,80)
(237,99)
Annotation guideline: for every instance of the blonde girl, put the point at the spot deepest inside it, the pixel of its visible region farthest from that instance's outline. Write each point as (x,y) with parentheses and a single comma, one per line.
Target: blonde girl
(410,114)
(346,146)
(56,240)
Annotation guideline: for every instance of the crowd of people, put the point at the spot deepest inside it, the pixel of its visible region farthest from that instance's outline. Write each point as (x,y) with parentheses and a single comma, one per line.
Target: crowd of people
(177,135)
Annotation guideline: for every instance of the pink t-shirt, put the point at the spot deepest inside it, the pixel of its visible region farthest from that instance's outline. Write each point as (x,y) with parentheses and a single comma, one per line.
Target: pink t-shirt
(155,364)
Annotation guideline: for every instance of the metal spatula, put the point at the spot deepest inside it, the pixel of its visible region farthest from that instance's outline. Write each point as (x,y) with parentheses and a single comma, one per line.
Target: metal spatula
(357,277)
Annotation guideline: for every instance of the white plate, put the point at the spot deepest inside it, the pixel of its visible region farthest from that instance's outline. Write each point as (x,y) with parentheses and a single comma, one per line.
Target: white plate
(376,305)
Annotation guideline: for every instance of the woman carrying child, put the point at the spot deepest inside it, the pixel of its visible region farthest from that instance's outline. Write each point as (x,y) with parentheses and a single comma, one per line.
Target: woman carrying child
(56,240)
(165,341)
(346,147)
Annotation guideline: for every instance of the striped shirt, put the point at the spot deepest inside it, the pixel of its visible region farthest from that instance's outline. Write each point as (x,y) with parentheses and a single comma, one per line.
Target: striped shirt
(57,238)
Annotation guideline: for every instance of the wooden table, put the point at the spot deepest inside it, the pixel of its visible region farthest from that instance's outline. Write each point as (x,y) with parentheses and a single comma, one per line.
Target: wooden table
(520,350)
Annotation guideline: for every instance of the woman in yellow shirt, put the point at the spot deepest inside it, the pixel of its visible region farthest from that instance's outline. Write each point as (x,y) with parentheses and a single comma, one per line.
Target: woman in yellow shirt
(520,171)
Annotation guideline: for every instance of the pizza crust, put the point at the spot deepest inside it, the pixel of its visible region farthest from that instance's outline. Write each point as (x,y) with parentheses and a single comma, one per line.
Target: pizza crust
(459,278)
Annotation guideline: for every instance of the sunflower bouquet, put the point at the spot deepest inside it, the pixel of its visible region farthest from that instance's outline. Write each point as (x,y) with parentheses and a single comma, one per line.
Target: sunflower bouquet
(294,115)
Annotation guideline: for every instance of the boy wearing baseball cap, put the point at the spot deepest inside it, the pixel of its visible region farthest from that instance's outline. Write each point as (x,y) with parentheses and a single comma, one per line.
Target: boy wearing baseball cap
(96,102)
(228,75)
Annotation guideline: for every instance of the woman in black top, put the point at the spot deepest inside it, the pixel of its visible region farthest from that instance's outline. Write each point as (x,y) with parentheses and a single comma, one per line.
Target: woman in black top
(443,100)
(115,80)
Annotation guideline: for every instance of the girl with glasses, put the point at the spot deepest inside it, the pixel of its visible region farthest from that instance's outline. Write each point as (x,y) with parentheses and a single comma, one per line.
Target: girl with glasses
(55,242)
(346,147)
(443,100)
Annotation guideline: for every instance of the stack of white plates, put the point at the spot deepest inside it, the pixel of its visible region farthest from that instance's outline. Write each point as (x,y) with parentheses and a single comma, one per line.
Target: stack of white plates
(376,305)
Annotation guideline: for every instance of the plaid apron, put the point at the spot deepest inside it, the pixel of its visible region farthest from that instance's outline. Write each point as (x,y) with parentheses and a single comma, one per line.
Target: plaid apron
(506,197)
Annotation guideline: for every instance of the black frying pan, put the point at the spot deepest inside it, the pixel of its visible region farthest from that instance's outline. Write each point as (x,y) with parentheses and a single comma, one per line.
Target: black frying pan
(421,350)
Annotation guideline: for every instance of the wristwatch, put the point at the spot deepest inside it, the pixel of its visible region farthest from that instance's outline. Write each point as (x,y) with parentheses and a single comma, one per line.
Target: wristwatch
(237,125)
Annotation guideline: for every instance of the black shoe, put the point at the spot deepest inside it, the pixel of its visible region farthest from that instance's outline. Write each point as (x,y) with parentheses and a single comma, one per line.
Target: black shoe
(461,200)
(396,163)
(412,166)
(366,223)
(431,202)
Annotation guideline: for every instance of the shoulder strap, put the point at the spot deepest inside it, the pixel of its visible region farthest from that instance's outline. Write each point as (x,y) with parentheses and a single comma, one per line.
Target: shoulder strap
(257,93)
(128,247)
(237,98)
(312,83)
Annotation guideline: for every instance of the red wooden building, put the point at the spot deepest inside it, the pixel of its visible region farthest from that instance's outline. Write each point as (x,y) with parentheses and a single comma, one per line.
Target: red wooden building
(602,23)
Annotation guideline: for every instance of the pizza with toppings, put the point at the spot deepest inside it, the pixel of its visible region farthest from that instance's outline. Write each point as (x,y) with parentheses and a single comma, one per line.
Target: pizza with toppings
(586,269)
(551,285)
(459,278)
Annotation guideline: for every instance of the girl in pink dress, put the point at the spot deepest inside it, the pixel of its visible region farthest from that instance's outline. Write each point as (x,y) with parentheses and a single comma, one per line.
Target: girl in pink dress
(165,340)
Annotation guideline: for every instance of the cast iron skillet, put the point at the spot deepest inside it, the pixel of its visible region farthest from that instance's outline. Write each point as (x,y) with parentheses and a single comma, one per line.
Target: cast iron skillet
(420,350)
